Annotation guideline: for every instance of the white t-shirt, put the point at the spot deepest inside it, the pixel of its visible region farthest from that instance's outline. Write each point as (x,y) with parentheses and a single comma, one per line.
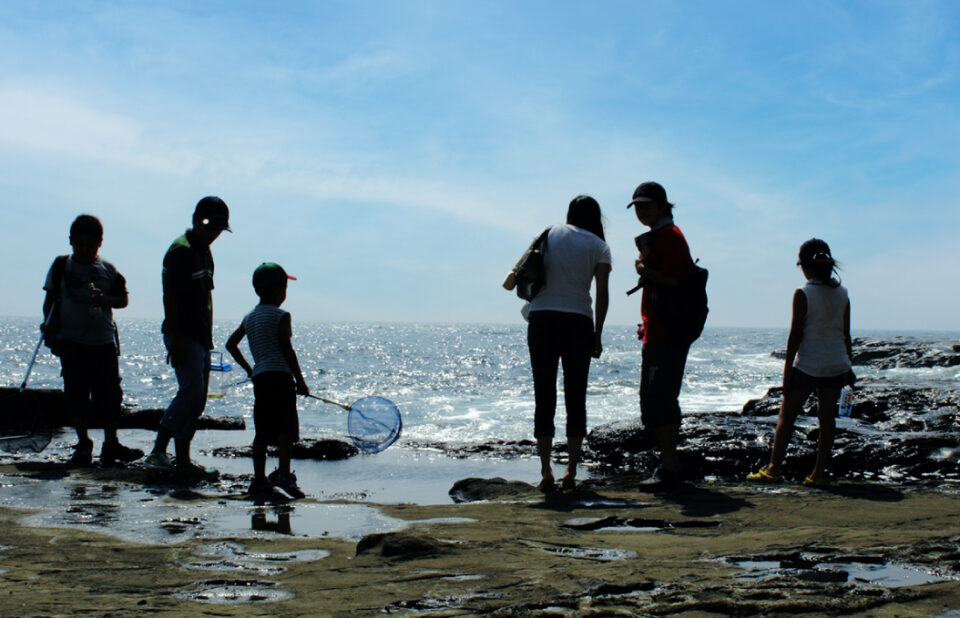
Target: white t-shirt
(81,321)
(571,260)
(823,350)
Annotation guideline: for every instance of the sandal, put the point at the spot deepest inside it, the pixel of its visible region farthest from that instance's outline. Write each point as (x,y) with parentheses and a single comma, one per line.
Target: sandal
(762,476)
(810,482)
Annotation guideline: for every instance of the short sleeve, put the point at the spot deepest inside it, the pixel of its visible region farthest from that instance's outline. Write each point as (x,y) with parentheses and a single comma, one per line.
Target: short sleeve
(604,255)
(48,283)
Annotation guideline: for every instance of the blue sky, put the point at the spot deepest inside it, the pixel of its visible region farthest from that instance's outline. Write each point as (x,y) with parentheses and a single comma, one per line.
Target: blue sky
(399,156)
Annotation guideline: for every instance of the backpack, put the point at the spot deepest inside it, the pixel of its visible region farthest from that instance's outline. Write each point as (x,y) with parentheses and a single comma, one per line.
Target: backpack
(532,273)
(683,309)
(52,328)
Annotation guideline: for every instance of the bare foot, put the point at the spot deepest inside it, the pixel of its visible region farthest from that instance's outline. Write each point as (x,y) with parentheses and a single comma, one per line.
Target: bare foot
(568,482)
(547,483)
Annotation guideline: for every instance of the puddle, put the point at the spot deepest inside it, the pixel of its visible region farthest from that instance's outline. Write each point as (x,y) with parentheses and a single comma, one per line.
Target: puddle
(235,591)
(591,553)
(233,557)
(444,602)
(150,515)
(861,570)
(614,523)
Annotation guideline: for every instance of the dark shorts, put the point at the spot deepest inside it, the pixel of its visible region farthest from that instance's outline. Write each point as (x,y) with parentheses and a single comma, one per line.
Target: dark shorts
(91,380)
(660,381)
(806,383)
(274,408)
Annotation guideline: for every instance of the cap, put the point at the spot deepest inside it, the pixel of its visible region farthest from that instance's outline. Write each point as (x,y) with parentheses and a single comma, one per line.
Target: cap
(268,276)
(649,192)
(214,212)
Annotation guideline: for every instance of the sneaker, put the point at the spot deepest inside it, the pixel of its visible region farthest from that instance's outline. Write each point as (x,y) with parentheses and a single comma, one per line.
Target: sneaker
(115,453)
(158,461)
(82,455)
(193,472)
(287,482)
(260,487)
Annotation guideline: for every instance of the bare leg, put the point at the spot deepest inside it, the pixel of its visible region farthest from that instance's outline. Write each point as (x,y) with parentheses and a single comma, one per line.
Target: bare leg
(827,413)
(182,446)
(285,450)
(544,448)
(163,441)
(789,409)
(574,448)
(669,438)
(260,461)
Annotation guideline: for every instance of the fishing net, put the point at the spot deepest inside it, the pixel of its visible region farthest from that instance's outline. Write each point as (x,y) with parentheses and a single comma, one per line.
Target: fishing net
(374,423)
(25,426)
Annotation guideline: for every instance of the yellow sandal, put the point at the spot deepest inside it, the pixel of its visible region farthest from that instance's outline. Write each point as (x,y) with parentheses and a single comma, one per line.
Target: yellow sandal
(762,476)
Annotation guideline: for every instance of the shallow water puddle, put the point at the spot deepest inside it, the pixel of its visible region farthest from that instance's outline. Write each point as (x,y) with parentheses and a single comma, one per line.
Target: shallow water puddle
(147,515)
(233,557)
(857,570)
(235,591)
(614,523)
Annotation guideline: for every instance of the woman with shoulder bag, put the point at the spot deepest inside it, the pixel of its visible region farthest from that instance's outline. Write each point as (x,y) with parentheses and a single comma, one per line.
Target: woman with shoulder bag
(563,328)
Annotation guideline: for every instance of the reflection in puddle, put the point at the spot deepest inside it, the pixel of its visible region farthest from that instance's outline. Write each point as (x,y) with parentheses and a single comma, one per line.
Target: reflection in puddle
(235,591)
(149,515)
(615,523)
(591,553)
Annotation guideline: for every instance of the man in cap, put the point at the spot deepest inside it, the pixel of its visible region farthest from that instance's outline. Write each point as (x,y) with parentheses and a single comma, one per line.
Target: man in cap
(188,334)
(663,262)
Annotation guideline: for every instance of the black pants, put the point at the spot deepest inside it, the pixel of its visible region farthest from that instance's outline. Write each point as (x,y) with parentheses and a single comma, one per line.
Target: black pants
(661,378)
(555,336)
(91,381)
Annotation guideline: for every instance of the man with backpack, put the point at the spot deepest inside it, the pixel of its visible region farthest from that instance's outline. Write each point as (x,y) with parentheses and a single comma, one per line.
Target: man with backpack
(673,316)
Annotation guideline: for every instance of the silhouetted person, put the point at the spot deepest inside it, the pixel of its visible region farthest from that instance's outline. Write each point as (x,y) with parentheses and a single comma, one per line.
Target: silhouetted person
(83,290)
(188,335)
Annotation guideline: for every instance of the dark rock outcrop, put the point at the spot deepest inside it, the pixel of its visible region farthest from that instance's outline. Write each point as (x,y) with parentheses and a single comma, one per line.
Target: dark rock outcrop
(478,489)
(399,545)
(325,449)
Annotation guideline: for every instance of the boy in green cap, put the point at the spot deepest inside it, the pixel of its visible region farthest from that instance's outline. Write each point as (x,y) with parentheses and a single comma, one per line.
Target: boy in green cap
(277,379)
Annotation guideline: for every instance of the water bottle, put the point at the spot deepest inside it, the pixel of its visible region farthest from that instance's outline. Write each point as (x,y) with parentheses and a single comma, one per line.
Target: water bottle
(846,400)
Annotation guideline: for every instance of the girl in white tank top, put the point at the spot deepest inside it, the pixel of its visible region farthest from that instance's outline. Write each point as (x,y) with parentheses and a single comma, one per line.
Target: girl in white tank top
(818,359)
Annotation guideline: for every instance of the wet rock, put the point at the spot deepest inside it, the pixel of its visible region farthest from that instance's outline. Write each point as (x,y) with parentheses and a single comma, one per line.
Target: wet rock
(477,489)
(325,449)
(399,545)
(905,352)
(53,406)
(505,449)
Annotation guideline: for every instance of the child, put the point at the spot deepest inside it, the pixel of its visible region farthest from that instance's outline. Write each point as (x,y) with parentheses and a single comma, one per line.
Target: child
(83,289)
(277,379)
(818,359)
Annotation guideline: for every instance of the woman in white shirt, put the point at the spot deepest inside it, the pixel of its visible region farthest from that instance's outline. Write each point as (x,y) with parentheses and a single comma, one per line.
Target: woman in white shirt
(563,328)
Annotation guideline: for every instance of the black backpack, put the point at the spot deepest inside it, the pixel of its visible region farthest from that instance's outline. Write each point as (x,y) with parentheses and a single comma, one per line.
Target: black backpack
(52,328)
(683,309)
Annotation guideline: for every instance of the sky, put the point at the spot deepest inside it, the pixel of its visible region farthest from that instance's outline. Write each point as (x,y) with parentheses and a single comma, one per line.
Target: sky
(398,157)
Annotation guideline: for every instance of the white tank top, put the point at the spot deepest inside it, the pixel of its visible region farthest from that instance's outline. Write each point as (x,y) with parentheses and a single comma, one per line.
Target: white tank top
(823,350)
(263,334)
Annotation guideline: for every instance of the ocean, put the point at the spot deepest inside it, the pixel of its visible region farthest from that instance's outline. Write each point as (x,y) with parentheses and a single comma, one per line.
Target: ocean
(455,384)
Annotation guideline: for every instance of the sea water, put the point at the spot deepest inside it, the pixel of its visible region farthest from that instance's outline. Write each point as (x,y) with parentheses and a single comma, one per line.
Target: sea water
(454,384)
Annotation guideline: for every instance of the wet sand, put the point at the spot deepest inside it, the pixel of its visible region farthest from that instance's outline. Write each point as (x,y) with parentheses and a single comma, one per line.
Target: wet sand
(711,549)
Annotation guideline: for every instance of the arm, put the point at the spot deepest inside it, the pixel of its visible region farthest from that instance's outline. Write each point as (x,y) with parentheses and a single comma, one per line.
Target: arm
(851,377)
(286,332)
(796,334)
(118,297)
(48,302)
(233,346)
(602,302)
(655,276)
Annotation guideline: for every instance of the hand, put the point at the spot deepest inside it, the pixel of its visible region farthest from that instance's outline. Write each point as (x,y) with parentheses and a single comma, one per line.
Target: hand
(302,388)
(640,331)
(97,297)
(176,352)
(597,347)
(850,378)
(640,266)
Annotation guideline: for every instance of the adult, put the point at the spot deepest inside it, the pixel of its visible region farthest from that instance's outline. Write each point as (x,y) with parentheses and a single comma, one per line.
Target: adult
(563,327)
(188,334)
(664,261)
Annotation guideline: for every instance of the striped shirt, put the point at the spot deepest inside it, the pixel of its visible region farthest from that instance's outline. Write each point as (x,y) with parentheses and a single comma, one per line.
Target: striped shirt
(262,326)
